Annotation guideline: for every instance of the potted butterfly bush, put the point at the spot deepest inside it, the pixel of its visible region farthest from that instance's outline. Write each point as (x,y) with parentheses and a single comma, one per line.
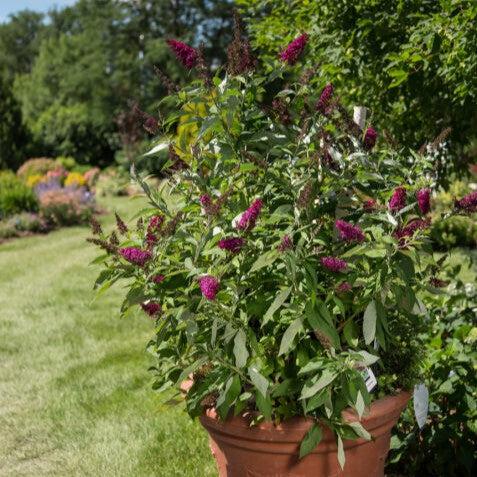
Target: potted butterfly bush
(281,261)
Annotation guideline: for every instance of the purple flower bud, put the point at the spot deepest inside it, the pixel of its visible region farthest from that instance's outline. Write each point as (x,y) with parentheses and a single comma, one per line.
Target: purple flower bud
(325,97)
(344,287)
(158,278)
(408,231)
(232,244)
(424,200)
(135,255)
(292,52)
(152,308)
(370,137)
(398,199)
(349,232)
(285,244)
(187,55)
(334,264)
(369,204)
(467,203)
(209,286)
(249,217)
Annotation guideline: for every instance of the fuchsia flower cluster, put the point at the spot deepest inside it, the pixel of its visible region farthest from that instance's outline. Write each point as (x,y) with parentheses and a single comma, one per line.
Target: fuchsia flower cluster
(325,97)
(232,244)
(209,286)
(349,232)
(398,199)
(410,229)
(153,229)
(334,264)
(249,218)
(467,203)
(135,255)
(187,55)
(293,51)
(370,137)
(424,200)
(152,308)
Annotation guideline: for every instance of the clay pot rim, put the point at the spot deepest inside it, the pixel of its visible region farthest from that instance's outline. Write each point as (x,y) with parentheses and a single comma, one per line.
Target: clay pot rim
(383,409)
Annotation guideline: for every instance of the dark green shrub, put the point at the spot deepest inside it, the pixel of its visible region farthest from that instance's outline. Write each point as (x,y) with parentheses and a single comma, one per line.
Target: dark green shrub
(446,444)
(456,231)
(15,196)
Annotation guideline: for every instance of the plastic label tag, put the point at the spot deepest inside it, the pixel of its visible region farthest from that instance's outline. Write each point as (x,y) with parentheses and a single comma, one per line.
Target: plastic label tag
(369,379)
(421,404)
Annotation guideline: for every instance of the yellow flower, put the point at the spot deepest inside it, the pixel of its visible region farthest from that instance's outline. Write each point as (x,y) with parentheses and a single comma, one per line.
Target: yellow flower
(34,180)
(75,178)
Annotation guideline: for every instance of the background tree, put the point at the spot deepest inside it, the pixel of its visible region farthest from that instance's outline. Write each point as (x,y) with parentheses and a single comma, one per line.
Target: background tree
(413,63)
(79,67)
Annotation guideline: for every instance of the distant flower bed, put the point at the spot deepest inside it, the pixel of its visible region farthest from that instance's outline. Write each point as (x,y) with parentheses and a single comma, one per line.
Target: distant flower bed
(45,195)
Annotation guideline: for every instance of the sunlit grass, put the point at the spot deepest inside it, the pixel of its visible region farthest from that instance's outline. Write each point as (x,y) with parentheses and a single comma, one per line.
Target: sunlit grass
(75,394)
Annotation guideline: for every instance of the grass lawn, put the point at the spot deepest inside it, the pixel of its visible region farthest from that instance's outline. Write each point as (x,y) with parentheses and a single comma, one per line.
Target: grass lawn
(75,396)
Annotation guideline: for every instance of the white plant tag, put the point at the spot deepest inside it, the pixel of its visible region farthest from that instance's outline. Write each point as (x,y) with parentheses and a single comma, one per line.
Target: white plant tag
(369,379)
(421,404)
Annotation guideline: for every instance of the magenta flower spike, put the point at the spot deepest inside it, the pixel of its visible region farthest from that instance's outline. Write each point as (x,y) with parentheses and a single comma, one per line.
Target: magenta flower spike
(294,49)
(187,55)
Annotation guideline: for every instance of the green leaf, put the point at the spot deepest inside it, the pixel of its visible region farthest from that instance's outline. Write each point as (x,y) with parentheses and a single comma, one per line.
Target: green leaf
(228,396)
(350,332)
(320,321)
(360,430)
(325,379)
(341,454)
(368,358)
(295,327)
(264,260)
(369,322)
(258,380)
(317,400)
(360,404)
(240,349)
(264,404)
(311,440)
(280,298)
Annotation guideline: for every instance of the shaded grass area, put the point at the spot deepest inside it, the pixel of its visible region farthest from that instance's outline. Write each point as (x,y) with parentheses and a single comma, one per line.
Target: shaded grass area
(75,394)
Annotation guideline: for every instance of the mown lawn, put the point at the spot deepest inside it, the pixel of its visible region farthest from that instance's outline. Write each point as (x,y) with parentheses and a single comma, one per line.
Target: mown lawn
(75,396)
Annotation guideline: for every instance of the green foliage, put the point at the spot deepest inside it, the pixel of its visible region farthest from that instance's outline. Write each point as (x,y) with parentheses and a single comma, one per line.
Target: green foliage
(446,445)
(13,135)
(457,231)
(412,63)
(269,327)
(15,196)
(84,66)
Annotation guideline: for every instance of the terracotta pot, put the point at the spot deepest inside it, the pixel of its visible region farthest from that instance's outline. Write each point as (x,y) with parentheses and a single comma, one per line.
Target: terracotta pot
(267,450)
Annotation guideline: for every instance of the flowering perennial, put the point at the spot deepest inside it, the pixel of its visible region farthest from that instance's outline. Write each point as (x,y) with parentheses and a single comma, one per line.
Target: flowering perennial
(398,199)
(349,232)
(249,217)
(187,55)
(209,286)
(152,308)
(424,200)
(232,244)
(323,103)
(334,264)
(285,244)
(370,137)
(293,51)
(135,255)
(467,203)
